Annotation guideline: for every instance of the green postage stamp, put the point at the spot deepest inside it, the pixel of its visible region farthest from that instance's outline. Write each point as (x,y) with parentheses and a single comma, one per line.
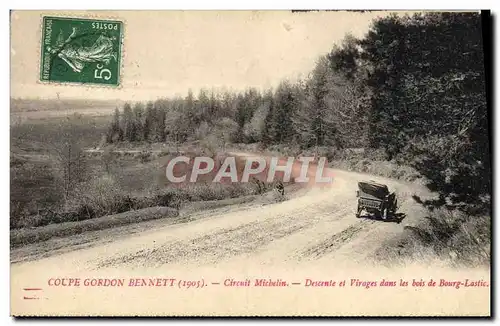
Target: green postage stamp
(83,51)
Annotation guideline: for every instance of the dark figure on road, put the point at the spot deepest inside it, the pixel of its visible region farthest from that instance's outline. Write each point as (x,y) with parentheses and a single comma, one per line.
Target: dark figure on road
(280,188)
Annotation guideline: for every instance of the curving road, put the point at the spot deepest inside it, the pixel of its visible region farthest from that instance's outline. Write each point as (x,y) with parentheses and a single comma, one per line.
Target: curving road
(313,234)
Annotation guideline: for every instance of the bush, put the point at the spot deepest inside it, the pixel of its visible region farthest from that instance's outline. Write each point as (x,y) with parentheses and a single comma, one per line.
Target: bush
(217,191)
(26,236)
(101,196)
(144,156)
(380,168)
(278,197)
(164,152)
(93,199)
(172,197)
(453,234)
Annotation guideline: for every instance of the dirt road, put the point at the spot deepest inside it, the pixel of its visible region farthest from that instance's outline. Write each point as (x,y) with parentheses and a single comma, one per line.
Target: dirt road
(313,234)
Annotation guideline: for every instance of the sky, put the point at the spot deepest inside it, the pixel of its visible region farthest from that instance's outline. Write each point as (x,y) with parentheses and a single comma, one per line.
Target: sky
(165,53)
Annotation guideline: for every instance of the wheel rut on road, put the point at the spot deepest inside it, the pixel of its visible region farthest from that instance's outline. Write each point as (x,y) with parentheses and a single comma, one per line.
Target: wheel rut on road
(218,245)
(226,243)
(337,240)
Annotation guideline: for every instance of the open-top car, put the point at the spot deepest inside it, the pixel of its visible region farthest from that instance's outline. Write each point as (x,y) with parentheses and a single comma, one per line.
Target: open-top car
(376,199)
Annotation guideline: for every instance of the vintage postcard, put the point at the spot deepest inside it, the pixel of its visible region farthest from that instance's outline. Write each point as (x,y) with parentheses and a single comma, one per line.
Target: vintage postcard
(250,163)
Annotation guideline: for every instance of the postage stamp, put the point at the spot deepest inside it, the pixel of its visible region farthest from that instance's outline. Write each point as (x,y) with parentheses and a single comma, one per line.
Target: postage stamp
(84,51)
(266,163)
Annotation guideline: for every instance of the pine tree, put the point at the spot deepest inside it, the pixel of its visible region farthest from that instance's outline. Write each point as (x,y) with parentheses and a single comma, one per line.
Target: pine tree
(138,114)
(283,110)
(148,121)
(114,133)
(268,130)
(128,123)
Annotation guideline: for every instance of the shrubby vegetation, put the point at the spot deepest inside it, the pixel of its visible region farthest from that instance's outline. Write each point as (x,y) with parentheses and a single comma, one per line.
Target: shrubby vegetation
(410,93)
(312,112)
(413,87)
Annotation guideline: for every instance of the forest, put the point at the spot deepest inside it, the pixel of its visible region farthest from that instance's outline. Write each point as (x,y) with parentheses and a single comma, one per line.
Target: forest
(407,101)
(413,87)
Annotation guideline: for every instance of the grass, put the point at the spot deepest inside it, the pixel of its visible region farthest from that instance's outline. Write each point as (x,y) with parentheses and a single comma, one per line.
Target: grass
(449,235)
(380,168)
(19,237)
(122,183)
(34,136)
(371,161)
(32,182)
(129,188)
(195,206)
(453,234)
(115,182)
(74,105)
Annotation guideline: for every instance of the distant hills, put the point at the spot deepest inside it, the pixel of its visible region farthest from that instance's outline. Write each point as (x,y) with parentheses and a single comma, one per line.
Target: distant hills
(35,105)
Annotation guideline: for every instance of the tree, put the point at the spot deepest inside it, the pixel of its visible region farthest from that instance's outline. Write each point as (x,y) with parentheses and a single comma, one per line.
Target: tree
(241,115)
(138,113)
(191,116)
(254,128)
(225,130)
(283,109)
(107,160)
(114,133)
(148,121)
(427,98)
(203,107)
(176,127)
(70,165)
(128,123)
(269,127)
(158,125)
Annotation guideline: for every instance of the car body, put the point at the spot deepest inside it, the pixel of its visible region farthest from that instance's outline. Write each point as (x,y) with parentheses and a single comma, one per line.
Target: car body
(376,199)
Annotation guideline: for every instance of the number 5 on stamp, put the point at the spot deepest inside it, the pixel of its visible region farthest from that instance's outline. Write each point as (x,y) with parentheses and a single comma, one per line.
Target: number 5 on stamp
(83,51)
